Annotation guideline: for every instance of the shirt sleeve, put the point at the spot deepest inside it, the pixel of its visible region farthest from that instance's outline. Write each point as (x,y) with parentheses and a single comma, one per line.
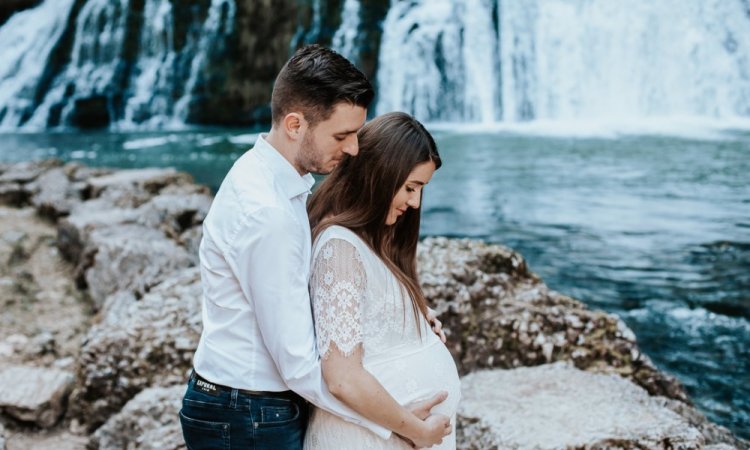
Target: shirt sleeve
(337,289)
(270,267)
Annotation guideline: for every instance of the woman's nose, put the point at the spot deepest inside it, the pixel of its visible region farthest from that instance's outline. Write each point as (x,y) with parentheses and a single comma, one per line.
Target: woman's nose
(414,201)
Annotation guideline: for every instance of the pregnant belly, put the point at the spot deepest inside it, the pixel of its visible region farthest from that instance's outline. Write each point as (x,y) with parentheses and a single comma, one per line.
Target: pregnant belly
(416,372)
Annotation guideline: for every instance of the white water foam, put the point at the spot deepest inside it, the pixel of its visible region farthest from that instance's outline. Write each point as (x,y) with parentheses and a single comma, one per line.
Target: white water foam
(27,39)
(562,60)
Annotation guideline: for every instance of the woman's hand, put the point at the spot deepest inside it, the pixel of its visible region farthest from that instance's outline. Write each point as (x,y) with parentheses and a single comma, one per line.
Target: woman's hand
(436,427)
(423,408)
(350,382)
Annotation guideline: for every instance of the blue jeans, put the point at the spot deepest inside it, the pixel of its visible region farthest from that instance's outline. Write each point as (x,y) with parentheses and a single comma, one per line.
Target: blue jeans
(230,419)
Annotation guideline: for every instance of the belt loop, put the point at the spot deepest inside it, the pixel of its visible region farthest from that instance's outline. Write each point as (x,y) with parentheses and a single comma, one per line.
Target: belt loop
(233,402)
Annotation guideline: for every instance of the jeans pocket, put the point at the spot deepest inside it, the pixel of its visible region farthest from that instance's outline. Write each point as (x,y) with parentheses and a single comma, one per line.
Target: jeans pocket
(203,434)
(273,415)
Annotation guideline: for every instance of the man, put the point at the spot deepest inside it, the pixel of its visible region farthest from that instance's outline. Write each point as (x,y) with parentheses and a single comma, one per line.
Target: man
(256,362)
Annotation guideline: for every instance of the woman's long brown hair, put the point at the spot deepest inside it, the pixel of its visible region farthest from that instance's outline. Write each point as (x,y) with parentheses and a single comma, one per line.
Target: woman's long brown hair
(358,194)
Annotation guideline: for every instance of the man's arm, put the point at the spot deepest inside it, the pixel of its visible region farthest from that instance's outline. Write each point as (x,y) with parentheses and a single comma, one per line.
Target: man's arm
(270,265)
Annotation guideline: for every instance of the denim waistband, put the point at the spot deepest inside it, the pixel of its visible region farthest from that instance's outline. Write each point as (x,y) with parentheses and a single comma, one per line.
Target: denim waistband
(211,386)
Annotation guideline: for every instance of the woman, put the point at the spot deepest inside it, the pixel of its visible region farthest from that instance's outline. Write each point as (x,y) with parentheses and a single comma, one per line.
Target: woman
(372,334)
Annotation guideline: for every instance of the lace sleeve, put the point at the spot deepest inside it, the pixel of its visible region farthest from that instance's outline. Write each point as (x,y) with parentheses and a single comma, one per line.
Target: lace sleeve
(337,287)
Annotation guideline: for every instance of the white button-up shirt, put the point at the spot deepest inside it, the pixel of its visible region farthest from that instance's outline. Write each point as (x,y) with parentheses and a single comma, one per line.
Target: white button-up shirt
(258,331)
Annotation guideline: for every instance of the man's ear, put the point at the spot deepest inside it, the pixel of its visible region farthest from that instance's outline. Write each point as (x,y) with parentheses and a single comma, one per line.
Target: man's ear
(294,125)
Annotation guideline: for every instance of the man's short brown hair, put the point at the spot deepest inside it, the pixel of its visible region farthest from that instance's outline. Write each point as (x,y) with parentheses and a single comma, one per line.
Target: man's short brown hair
(313,81)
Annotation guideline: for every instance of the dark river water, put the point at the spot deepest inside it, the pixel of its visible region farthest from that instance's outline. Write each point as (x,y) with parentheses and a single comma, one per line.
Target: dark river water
(653,228)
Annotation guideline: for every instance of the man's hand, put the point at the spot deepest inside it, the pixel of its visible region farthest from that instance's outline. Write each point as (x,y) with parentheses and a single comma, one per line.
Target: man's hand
(437,326)
(423,408)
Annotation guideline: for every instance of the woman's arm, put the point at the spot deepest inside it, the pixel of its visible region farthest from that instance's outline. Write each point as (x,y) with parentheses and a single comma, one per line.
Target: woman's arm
(351,383)
(338,287)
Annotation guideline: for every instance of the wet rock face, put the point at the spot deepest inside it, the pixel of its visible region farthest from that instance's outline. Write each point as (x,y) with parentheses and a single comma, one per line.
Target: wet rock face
(237,85)
(498,314)
(10,7)
(91,112)
(33,394)
(147,422)
(555,406)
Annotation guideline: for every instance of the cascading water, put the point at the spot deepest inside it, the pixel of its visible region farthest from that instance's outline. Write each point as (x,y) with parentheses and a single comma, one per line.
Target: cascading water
(566,59)
(125,68)
(438,60)
(345,39)
(131,63)
(95,64)
(214,33)
(154,73)
(27,40)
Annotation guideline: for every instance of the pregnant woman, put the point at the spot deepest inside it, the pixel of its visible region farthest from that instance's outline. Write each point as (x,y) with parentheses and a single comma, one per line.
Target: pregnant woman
(370,313)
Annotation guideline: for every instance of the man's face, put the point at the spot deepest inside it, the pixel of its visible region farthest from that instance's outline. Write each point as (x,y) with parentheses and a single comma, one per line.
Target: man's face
(326,144)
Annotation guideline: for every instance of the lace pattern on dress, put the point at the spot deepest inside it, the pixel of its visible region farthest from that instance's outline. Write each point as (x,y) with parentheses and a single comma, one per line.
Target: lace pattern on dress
(337,289)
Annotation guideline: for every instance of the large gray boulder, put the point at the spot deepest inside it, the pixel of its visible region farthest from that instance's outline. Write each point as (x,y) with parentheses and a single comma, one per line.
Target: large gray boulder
(138,344)
(499,314)
(717,437)
(34,394)
(556,406)
(132,187)
(27,172)
(54,194)
(175,210)
(130,257)
(74,231)
(16,181)
(147,422)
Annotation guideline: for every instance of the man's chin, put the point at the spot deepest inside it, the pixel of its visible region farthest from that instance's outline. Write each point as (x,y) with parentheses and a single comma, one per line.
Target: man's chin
(330,167)
(323,169)
(318,171)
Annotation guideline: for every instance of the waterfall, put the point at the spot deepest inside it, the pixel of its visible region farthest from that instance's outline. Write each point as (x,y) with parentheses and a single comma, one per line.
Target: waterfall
(438,60)
(565,59)
(156,63)
(154,75)
(95,69)
(345,39)
(124,70)
(28,39)
(215,31)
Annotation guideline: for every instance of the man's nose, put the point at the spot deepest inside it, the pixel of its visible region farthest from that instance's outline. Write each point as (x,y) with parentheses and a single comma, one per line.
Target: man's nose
(351,145)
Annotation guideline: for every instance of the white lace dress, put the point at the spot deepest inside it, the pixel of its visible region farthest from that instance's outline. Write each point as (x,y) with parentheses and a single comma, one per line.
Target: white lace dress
(357,300)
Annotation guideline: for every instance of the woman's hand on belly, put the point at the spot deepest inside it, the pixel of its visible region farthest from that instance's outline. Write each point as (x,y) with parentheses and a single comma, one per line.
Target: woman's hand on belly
(423,408)
(352,384)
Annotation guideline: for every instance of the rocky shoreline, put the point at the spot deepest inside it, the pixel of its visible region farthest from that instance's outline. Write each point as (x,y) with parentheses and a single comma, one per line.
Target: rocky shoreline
(101,301)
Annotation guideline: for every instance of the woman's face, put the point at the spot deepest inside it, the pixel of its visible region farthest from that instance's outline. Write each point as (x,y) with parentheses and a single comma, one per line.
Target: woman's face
(410,194)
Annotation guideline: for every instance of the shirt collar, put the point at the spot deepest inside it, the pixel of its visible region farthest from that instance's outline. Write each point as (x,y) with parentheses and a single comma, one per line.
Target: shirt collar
(290,180)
